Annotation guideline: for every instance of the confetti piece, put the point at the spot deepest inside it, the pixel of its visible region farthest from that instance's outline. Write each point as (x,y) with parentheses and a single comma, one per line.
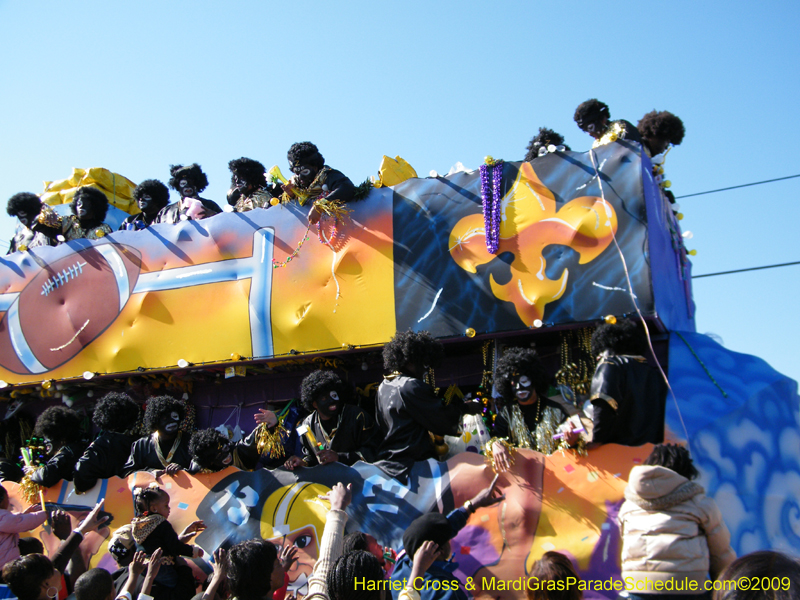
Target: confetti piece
(122,489)
(617,474)
(605,526)
(168,486)
(637,460)
(485,519)
(183,505)
(560,490)
(548,546)
(593,476)
(464,549)
(584,539)
(569,468)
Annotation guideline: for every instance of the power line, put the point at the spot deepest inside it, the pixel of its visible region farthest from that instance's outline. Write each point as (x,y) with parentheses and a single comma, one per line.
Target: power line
(736,187)
(743,270)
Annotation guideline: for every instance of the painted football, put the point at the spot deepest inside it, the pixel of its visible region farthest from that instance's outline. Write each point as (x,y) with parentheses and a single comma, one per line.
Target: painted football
(66,305)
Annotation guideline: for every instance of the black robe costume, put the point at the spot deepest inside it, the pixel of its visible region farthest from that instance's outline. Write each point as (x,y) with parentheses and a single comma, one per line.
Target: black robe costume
(172,212)
(406,409)
(143,455)
(104,458)
(61,466)
(27,238)
(245,455)
(352,436)
(628,401)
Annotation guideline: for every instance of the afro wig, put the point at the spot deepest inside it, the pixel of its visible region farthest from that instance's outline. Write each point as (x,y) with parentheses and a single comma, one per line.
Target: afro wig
(661,125)
(59,424)
(408,347)
(252,171)
(193,173)
(591,112)
(155,189)
(305,153)
(622,337)
(25,202)
(546,137)
(204,446)
(157,407)
(516,362)
(116,412)
(321,382)
(95,198)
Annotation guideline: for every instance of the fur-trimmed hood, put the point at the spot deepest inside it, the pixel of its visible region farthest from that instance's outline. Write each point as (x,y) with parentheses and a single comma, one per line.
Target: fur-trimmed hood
(659,488)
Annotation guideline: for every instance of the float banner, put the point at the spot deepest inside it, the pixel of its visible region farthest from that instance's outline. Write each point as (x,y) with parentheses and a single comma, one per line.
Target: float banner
(264,283)
(557,502)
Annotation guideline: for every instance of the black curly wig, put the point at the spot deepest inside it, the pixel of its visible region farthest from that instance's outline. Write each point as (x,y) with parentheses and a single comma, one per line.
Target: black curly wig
(415,348)
(543,139)
(661,125)
(155,189)
(157,407)
(320,382)
(116,412)
(96,199)
(305,153)
(517,362)
(204,446)
(58,424)
(623,337)
(252,171)
(591,112)
(193,173)
(27,202)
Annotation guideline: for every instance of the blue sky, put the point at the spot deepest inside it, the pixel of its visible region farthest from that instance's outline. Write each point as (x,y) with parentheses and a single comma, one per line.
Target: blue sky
(135,87)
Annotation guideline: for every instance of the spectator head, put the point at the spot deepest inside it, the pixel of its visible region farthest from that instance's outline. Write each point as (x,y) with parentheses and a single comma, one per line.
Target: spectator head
(30,545)
(433,527)
(358,540)
(95,584)
(254,570)
(351,574)
(766,564)
(675,457)
(32,577)
(553,566)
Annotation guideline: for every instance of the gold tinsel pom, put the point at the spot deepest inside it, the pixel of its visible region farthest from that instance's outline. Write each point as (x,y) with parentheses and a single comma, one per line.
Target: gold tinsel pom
(332,208)
(270,441)
(30,490)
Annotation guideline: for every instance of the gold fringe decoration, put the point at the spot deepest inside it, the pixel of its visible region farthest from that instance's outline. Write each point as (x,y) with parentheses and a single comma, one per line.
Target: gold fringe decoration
(489,452)
(332,208)
(30,490)
(270,441)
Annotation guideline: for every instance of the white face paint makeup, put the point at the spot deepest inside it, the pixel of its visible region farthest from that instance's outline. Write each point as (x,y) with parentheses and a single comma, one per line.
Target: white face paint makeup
(524,391)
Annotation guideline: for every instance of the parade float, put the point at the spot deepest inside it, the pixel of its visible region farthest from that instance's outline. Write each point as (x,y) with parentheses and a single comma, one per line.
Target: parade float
(232,311)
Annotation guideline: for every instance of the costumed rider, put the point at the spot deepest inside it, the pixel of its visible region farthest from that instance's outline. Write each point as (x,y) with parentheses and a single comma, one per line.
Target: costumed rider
(594,118)
(89,207)
(628,396)
(61,429)
(116,415)
(433,531)
(213,451)
(166,449)
(335,431)
(526,416)
(31,211)
(151,196)
(249,187)
(544,142)
(326,190)
(407,408)
(188,182)
(660,131)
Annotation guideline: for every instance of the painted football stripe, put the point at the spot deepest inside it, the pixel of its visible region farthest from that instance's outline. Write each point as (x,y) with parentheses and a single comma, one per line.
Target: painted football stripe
(120,272)
(19,342)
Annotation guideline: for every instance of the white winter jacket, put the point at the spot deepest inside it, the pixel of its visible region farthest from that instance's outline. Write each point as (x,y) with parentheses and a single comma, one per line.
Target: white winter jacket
(671,531)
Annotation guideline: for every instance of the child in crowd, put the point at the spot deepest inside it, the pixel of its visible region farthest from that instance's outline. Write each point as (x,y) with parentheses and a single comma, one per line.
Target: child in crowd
(151,531)
(670,529)
(11,524)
